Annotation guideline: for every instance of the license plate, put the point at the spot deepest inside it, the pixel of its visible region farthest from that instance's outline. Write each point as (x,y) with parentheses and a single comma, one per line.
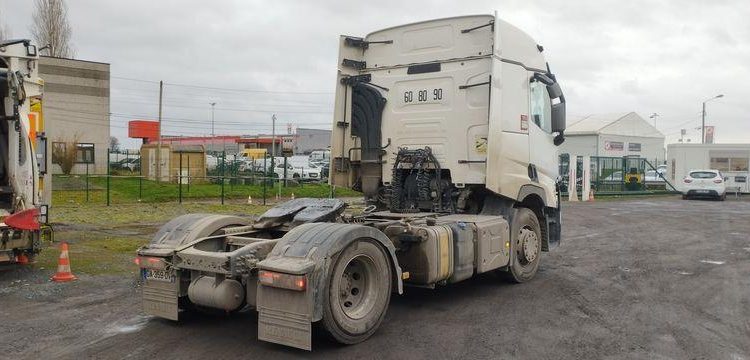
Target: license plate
(702,191)
(426,95)
(159,275)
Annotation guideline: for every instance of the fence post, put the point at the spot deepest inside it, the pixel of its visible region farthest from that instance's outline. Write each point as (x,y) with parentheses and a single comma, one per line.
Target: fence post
(87,182)
(223,170)
(140,177)
(109,176)
(586,179)
(285,171)
(264,178)
(572,177)
(188,172)
(179,179)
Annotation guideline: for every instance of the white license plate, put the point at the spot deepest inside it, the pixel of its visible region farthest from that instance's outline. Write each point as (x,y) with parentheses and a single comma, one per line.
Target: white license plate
(159,275)
(702,191)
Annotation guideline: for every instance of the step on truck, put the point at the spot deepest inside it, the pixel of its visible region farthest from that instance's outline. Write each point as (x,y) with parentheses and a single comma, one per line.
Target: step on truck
(24,180)
(449,128)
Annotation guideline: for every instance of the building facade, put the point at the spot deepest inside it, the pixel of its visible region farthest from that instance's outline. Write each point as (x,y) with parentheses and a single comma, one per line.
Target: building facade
(75,107)
(307,140)
(614,136)
(733,160)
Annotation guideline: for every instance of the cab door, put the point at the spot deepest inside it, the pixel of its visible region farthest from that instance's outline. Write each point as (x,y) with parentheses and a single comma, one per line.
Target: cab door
(543,153)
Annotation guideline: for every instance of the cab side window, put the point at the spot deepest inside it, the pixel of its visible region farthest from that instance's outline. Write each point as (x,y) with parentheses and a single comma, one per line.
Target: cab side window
(541,106)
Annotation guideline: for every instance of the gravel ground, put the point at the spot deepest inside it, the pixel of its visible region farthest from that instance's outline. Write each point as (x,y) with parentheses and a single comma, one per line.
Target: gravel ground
(641,278)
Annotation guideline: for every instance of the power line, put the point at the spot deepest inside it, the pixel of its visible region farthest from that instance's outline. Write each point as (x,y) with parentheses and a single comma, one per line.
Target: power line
(227,89)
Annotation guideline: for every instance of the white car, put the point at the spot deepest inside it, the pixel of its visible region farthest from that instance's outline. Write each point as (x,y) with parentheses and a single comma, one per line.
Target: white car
(704,183)
(311,172)
(654,176)
(291,172)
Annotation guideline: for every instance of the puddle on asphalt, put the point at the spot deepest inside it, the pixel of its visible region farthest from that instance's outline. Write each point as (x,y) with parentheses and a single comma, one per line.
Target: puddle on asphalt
(128,326)
(714,262)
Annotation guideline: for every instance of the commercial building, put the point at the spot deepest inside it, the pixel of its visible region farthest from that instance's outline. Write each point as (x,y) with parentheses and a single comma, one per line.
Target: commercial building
(308,140)
(615,135)
(75,107)
(733,160)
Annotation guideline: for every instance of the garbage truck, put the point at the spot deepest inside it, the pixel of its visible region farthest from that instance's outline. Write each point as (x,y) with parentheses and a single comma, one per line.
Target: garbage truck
(24,180)
(450,129)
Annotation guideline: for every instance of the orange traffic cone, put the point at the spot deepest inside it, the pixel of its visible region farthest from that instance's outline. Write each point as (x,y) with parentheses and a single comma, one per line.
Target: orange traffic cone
(22,259)
(63,266)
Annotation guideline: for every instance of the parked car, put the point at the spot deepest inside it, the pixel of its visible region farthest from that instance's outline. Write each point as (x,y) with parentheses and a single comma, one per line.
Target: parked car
(311,172)
(211,162)
(131,164)
(704,183)
(291,172)
(653,176)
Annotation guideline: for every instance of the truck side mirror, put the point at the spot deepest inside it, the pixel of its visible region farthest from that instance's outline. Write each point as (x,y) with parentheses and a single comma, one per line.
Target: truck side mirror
(554,91)
(558,116)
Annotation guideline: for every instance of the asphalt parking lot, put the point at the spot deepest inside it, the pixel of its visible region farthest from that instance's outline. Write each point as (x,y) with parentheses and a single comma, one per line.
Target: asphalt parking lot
(634,278)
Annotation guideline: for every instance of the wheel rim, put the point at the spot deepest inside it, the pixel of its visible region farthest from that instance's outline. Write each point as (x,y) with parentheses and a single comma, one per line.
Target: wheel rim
(357,293)
(528,248)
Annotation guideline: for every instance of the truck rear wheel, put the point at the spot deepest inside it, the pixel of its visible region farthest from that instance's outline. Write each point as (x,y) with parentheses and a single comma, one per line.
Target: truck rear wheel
(525,246)
(359,292)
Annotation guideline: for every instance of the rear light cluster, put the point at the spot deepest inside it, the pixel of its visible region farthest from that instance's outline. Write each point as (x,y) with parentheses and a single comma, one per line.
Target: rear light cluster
(718,181)
(150,262)
(281,280)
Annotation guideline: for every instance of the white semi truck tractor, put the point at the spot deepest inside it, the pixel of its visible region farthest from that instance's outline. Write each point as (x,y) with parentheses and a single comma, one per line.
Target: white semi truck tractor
(24,180)
(450,129)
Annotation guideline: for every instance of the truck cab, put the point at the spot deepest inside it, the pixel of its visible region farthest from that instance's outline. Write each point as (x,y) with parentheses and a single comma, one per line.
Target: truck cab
(452,115)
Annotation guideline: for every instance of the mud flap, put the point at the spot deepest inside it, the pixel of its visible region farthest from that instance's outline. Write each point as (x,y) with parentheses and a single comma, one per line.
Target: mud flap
(285,317)
(160,298)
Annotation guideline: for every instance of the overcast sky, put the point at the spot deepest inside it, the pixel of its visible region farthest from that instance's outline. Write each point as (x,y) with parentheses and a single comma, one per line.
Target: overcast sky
(662,57)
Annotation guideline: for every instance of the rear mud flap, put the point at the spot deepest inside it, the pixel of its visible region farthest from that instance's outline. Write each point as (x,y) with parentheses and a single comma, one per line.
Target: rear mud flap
(160,298)
(285,328)
(285,317)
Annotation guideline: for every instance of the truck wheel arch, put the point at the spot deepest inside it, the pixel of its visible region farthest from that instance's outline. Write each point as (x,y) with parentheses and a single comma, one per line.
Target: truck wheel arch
(528,193)
(319,243)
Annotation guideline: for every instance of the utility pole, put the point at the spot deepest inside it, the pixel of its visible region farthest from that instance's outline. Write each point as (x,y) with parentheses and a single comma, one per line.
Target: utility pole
(703,118)
(158,146)
(273,135)
(213,134)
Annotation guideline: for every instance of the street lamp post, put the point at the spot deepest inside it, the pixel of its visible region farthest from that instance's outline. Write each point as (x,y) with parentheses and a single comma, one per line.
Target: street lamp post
(654,116)
(703,118)
(273,135)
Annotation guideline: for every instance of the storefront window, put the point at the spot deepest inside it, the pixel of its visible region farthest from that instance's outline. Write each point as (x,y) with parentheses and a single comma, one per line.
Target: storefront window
(721,164)
(738,164)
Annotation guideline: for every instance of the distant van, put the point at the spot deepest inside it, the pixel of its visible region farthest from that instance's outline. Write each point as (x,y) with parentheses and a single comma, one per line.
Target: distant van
(320,156)
(253,154)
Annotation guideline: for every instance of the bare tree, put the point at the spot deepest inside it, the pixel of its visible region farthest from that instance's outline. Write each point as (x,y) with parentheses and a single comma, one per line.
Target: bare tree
(51,28)
(114,144)
(65,153)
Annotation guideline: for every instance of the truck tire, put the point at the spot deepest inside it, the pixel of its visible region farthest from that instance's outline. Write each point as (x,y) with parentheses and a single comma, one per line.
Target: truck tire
(525,246)
(359,292)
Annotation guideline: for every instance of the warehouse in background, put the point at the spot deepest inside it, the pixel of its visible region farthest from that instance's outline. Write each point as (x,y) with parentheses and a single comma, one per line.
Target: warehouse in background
(614,135)
(733,160)
(76,110)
